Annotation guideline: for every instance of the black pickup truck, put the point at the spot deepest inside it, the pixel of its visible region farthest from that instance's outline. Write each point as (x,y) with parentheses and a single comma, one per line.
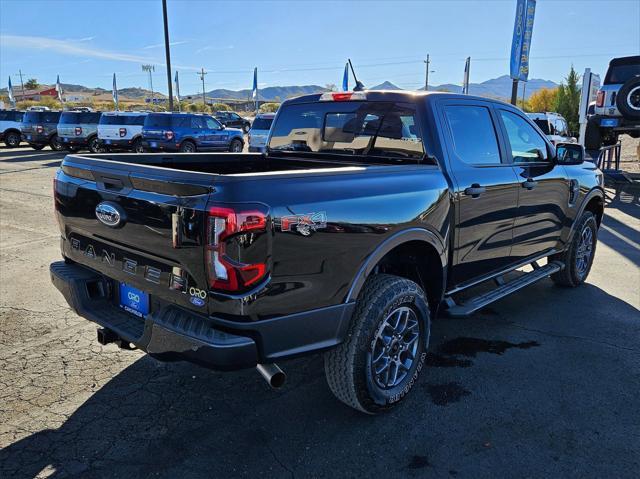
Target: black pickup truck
(368,214)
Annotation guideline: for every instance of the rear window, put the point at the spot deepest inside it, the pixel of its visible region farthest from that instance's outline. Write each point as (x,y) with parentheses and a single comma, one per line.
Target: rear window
(383,129)
(262,124)
(122,119)
(543,125)
(158,121)
(73,117)
(621,73)
(41,117)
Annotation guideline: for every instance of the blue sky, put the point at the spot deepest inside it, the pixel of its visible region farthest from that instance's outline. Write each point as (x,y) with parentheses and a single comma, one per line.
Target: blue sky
(294,43)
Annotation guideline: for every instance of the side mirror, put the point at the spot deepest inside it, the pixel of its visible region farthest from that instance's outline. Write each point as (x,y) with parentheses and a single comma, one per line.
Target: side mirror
(569,153)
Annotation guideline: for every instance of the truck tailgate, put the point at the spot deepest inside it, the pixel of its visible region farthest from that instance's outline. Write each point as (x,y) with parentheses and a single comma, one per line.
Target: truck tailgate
(139,231)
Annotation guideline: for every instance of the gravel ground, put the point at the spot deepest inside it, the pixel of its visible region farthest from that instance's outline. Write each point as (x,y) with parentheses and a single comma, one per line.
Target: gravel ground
(545,383)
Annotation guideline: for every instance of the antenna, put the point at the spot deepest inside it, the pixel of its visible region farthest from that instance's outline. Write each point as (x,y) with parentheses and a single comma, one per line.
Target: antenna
(359,86)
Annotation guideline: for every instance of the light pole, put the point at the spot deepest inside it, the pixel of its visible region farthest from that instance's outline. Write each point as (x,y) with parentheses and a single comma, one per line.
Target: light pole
(202,74)
(168,54)
(150,68)
(426,79)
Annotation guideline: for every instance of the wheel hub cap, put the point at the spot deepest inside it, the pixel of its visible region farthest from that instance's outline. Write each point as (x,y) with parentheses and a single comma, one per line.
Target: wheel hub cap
(394,347)
(585,250)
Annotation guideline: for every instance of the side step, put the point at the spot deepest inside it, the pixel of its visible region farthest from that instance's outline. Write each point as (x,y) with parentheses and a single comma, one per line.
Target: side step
(504,289)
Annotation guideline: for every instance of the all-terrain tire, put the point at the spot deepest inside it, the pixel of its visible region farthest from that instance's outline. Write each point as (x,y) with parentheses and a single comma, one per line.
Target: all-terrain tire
(55,143)
(628,99)
(137,146)
(94,145)
(348,367)
(188,147)
(12,139)
(573,275)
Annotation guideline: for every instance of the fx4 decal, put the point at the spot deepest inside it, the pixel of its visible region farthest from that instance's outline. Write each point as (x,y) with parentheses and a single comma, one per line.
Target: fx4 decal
(304,224)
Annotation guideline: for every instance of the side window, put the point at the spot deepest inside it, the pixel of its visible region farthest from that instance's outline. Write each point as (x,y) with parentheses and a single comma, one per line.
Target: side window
(525,142)
(197,122)
(213,124)
(474,135)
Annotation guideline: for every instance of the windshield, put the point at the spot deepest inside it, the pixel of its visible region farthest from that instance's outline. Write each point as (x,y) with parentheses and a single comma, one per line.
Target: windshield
(355,128)
(77,118)
(543,125)
(262,124)
(621,73)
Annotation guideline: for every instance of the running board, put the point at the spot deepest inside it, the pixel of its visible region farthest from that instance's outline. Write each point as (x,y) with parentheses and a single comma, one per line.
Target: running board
(504,289)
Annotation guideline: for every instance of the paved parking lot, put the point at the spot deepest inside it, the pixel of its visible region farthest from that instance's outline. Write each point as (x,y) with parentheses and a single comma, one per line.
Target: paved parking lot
(545,383)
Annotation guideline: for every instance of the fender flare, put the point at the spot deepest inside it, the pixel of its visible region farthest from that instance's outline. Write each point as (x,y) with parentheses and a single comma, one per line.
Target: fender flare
(12,130)
(595,192)
(401,237)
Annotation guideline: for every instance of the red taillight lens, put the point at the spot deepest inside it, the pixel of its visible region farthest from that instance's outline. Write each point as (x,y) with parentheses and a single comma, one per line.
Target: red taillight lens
(123,132)
(600,98)
(39,129)
(78,130)
(223,225)
(169,135)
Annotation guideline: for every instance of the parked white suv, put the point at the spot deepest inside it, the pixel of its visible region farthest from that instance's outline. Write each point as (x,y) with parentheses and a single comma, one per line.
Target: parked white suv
(259,132)
(554,126)
(10,121)
(121,130)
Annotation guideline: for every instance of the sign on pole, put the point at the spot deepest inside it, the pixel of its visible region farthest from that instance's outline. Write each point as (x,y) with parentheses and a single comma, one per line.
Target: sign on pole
(115,93)
(590,87)
(345,78)
(521,44)
(465,80)
(254,92)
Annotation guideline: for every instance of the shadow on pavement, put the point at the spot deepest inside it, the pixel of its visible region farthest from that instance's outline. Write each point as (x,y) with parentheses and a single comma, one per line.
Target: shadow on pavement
(25,157)
(178,420)
(620,236)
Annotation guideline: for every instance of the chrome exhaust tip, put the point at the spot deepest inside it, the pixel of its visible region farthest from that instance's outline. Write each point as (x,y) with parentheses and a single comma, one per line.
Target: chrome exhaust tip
(271,373)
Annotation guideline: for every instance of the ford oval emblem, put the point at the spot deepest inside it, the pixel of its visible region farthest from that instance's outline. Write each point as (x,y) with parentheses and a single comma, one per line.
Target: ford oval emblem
(109,214)
(199,302)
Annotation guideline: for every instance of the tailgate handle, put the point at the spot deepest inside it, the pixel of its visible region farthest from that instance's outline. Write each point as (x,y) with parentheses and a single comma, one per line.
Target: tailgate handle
(112,183)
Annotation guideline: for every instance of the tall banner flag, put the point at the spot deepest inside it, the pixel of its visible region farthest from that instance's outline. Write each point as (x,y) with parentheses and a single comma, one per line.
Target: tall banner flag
(465,80)
(115,92)
(345,78)
(177,89)
(521,44)
(10,93)
(59,89)
(254,94)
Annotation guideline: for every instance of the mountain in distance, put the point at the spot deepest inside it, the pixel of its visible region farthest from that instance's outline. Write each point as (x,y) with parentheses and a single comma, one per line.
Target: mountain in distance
(387,85)
(497,87)
(271,93)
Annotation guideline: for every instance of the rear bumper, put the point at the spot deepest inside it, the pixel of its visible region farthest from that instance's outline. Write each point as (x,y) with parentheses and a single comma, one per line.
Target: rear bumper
(173,333)
(35,138)
(159,146)
(116,143)
(619,123)
(73,141)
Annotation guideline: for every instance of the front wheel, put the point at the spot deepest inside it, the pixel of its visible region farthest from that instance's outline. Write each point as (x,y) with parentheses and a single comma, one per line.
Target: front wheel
(236,146)
(381,359)
(188,147)
(578,257)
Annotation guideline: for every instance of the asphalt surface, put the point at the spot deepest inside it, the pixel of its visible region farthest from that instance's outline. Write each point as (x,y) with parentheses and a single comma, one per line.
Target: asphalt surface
(545,383)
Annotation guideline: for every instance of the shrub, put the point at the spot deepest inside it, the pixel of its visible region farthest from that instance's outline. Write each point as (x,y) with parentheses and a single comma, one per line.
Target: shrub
(220,107)
(269,107)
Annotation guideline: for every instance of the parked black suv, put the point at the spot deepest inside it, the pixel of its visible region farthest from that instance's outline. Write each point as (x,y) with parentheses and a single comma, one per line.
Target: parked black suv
(617,108)
(232,119)
(40,128)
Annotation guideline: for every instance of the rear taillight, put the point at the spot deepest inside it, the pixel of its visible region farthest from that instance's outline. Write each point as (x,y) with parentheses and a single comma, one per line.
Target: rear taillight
(123,132)
(600,98)
(39,129)
(78,130)
(343,96)
(225,225)
(169,135)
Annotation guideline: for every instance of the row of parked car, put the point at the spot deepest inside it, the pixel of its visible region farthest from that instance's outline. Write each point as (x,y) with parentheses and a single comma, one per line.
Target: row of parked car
(74,130)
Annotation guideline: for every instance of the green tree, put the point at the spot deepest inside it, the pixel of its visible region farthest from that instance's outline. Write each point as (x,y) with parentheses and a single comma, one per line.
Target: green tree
(568,100)
(31,84)
(545,99)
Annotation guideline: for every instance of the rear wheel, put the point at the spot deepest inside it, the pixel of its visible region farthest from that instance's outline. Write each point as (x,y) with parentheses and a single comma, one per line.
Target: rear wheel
(55,143)
(236,146)
(188,147)
(381,359)
(12,139)
(578,257)
(94,145)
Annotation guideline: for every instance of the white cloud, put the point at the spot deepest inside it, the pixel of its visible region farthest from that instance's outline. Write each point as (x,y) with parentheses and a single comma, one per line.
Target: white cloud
(214,48)
(69,47)
(158,45)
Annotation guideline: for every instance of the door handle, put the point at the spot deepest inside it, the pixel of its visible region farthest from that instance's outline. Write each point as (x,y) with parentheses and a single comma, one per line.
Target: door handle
(529,184)
(474,190)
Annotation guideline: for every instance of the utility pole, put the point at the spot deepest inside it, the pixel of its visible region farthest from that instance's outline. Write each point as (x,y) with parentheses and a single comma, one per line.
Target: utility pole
(426,79)
(21,84)
(150,68)
(168,54)
(202,74)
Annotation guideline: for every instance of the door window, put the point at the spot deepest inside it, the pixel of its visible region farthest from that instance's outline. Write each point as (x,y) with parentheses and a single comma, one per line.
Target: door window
(474,135)
(197,122)
(212,124)
(526,143)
